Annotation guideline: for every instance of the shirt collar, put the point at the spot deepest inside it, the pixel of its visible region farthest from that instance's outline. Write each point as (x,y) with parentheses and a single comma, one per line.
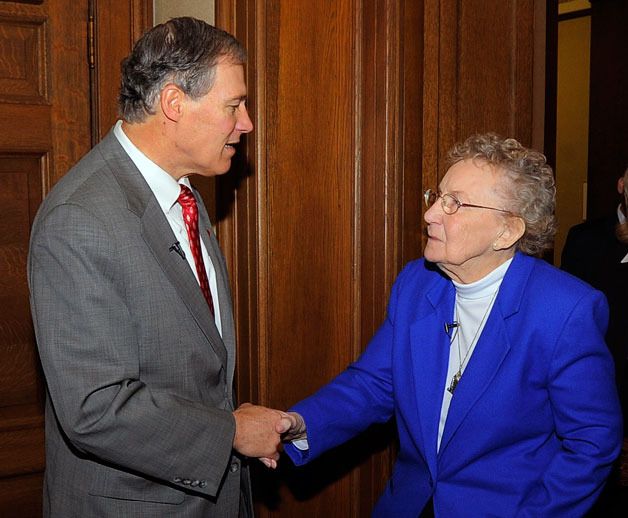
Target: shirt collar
(484,286)
(165,188)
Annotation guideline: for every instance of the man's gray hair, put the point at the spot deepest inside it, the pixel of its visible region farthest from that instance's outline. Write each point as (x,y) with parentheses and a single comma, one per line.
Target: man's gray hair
(183,51)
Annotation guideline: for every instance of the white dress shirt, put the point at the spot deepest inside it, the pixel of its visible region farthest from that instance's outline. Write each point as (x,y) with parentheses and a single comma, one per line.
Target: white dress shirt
(622,219)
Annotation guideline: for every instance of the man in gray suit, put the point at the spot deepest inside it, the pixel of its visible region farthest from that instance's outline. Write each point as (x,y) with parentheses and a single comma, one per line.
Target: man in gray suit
(131,303)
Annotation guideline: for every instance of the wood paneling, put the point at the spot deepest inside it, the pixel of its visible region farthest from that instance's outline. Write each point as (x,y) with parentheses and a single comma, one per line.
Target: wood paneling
(481,64)
(44,116)
(354,104)
(20,195)
(20,496)
(18,120)
(311,225)
(116,26)
(44,113)
(22,64)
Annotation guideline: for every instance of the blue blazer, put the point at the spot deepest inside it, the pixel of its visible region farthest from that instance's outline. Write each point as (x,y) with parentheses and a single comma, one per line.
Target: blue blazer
(534,425)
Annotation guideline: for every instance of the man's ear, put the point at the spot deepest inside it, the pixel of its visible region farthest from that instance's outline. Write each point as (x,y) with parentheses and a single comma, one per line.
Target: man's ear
(620,185)
(514,228)
(171,100)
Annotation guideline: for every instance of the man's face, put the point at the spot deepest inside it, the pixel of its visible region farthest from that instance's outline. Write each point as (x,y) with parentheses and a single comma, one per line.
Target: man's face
(212,124)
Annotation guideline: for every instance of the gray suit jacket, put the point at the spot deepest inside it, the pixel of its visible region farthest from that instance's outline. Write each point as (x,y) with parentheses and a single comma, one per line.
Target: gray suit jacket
(138,415)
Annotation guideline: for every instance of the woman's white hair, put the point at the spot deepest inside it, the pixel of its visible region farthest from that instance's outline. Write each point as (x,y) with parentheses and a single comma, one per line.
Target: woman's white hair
(528,188)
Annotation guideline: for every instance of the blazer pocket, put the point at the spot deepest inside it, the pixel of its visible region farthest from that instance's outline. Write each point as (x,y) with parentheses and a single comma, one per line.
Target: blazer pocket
(124,486)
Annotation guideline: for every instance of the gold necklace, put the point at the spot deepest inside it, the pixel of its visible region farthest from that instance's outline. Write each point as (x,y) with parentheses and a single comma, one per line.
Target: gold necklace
(461,362)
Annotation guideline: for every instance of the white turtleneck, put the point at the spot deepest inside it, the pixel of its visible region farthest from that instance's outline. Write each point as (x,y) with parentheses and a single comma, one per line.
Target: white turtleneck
(471,310)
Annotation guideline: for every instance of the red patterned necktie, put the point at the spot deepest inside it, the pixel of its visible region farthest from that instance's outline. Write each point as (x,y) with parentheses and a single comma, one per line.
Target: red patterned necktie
(190,218)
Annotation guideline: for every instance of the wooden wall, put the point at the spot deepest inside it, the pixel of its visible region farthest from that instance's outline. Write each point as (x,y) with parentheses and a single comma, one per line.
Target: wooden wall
(355,104)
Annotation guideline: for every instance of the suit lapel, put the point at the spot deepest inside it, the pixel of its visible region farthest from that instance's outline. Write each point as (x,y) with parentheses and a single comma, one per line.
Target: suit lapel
(430,353)
(222,282)
(158,236)
(619,250)
(154,228)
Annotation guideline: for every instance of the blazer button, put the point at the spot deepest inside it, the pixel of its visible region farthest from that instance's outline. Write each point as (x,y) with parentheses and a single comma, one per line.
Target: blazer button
(177,480)
(234,467)
(186,482)
(202,483)
(194,483)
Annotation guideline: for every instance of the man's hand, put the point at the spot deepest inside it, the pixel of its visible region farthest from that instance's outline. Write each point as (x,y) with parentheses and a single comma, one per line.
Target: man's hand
(257,432)
(292,427)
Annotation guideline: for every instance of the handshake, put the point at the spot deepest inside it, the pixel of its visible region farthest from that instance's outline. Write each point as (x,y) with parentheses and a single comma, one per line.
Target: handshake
(260,432)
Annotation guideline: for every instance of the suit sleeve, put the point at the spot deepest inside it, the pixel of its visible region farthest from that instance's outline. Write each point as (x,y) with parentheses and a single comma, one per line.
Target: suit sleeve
(573,254)
(586,412)
(89,351)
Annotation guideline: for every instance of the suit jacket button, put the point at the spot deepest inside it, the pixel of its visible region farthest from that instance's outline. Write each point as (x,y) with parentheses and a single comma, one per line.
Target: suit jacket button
(176,479)
(202,483)
(234,467)
(186,482)
(194,483)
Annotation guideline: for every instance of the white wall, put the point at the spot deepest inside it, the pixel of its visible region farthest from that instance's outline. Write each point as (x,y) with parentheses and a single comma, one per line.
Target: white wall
(166,9)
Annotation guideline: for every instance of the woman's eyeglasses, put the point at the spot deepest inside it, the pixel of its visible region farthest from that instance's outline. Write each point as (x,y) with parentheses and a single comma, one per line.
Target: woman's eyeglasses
(451,204)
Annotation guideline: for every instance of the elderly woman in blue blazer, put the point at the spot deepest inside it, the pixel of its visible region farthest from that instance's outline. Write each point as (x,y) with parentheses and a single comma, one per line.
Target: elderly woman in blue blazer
(493,362)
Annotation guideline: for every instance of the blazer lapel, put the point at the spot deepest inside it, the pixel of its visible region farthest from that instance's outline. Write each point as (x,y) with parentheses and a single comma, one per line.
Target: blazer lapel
(489,353)
(430,353)
(158,236)
(491,349)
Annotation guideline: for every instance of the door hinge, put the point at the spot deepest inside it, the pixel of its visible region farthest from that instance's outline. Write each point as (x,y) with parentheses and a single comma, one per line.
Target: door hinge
(91,42)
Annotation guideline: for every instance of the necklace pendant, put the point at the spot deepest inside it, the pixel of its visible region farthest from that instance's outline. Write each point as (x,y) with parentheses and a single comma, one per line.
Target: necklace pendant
(454,382)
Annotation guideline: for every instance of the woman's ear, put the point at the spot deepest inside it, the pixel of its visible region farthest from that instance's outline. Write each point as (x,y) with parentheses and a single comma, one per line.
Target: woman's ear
(514,228)
(171,100)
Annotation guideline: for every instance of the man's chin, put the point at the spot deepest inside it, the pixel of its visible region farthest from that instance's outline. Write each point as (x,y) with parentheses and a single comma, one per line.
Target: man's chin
(216,170)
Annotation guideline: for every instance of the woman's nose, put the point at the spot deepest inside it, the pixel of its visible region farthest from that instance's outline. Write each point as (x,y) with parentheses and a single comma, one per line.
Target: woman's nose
(434,213)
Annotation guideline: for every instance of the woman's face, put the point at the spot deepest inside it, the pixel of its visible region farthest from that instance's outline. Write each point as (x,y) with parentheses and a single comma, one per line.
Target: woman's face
(463,244)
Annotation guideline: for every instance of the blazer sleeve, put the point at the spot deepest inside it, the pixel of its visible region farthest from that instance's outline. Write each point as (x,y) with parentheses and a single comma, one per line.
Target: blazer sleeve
(89,352)
(360,396)
(586,412)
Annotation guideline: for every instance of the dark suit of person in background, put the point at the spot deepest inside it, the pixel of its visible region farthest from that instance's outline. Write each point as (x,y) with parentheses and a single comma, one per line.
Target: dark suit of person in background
(596,251)
(138,360)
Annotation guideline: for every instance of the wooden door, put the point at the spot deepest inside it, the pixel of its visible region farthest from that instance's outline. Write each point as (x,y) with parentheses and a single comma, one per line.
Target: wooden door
(46,127)
(44,114)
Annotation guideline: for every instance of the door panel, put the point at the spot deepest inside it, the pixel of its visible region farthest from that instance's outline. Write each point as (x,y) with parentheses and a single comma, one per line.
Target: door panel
(45,119)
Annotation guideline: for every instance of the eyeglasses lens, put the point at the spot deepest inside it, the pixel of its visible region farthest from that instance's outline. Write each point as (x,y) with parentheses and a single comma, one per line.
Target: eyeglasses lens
(450,204)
